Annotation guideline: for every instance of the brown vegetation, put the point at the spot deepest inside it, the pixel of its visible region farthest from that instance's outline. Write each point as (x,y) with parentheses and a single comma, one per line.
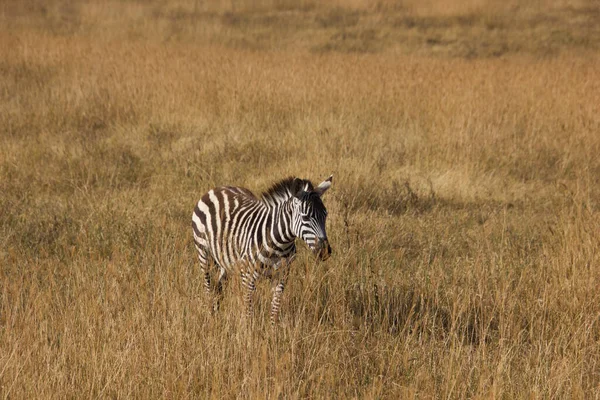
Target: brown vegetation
(464,215)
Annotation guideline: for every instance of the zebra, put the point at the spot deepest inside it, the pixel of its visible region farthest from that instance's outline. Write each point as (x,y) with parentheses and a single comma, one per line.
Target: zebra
(235,230)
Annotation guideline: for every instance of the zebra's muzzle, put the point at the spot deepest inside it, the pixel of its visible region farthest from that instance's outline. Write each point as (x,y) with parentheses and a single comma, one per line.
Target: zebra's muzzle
(324,250)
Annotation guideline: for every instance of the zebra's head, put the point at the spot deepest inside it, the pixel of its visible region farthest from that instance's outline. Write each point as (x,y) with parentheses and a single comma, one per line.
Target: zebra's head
(309,216)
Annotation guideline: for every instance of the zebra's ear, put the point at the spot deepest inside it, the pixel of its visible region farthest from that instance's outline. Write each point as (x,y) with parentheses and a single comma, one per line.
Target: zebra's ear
(323,186)
(298,188)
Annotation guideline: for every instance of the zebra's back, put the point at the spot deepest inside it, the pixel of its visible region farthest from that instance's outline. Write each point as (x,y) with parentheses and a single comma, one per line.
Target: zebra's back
(221,222)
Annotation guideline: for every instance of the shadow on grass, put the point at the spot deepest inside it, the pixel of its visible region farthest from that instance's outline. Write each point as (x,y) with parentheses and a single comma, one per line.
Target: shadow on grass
(398,199)
(405,311)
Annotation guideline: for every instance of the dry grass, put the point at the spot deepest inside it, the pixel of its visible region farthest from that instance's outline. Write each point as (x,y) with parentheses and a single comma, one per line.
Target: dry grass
(464,216)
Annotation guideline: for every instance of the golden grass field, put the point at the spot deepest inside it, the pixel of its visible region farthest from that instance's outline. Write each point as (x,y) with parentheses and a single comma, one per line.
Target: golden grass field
(464,139)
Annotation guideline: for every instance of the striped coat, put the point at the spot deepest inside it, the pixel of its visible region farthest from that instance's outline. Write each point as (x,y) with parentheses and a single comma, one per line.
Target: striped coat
(236,231)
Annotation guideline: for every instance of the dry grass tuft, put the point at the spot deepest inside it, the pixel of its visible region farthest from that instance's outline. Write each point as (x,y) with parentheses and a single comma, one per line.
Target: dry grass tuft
(464,216)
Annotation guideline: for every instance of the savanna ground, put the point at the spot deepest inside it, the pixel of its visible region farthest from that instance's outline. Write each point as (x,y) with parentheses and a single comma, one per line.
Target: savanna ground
(464,214)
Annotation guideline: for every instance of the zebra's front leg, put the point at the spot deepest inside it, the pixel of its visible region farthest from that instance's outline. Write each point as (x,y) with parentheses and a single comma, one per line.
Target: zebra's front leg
(283,273)
(249,279)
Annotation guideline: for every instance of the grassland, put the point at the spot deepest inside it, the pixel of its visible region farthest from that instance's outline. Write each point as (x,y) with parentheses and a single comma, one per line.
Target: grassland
(464,215)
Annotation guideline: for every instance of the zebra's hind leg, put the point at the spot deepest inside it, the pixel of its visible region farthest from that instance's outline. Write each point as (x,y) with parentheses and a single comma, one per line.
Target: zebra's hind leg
(219,289)
(206,278)
(201,244)
(207,265)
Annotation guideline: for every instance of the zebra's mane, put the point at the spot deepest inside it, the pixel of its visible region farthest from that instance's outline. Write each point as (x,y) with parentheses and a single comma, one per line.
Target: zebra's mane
(286,188)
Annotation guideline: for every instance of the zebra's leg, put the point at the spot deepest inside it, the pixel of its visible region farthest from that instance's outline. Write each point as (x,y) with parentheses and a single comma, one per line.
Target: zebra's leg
(277,293)
(249,279)
(205,264)
(222,278)
(284,271)
(219,289)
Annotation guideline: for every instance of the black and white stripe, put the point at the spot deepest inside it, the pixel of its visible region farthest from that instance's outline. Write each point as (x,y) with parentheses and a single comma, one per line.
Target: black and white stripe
(234,230)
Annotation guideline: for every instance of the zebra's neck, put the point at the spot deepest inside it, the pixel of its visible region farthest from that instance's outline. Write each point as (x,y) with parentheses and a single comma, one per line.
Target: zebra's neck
(281,235)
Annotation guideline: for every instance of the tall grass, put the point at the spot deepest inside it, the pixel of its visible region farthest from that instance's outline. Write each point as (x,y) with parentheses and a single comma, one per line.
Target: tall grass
(464,213)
